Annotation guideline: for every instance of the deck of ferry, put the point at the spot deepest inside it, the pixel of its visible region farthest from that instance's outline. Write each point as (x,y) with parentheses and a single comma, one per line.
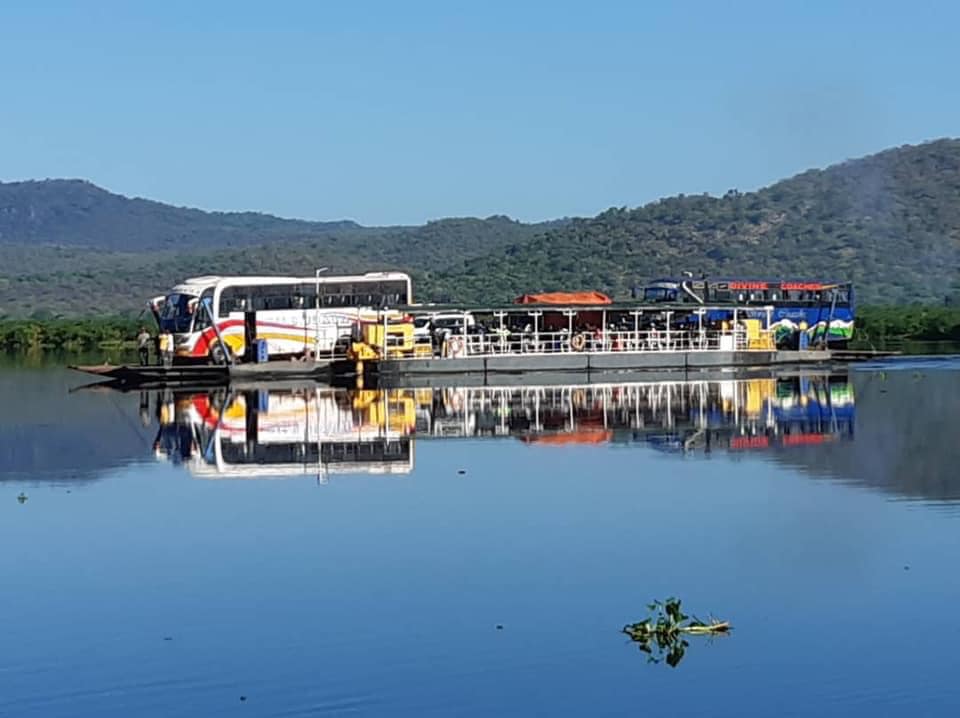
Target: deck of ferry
(589,338)
(523,339)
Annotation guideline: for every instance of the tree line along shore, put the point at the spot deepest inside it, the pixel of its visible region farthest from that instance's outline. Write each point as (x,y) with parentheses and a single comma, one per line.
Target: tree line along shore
(875,325)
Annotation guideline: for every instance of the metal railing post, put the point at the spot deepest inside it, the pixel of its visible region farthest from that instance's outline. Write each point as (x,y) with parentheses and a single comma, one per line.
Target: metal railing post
(636,328)
(316,317)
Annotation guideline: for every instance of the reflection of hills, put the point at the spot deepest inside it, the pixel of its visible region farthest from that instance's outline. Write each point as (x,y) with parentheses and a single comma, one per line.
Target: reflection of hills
(907,435)
(46,433)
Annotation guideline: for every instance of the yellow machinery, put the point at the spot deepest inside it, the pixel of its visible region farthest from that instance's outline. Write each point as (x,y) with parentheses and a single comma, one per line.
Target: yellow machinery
(758,338)
(393,410)
(750,396)
(395,337)
(759,391)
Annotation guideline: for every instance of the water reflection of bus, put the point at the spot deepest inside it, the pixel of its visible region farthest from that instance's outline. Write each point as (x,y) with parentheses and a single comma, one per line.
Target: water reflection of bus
(293,432)
(282,432)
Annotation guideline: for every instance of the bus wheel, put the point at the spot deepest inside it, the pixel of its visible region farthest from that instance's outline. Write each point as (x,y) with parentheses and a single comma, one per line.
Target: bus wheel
(217,355)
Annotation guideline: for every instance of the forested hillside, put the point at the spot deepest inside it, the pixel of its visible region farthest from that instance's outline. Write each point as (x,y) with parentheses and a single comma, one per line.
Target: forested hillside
(39,279)
(76,213)
(890,222)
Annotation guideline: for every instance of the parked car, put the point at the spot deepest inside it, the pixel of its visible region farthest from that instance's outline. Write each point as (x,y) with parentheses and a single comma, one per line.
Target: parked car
(438,326)
(443,323)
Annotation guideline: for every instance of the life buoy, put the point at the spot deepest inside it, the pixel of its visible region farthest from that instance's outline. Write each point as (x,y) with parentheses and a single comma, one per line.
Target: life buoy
(578,342)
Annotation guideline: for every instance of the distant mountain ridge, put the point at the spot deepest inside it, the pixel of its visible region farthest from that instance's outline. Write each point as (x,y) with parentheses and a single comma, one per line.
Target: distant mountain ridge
(77,213)
(889,221)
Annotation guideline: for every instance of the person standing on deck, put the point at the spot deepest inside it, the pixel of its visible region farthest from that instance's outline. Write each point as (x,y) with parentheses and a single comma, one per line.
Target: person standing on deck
(166,348)
(143,346)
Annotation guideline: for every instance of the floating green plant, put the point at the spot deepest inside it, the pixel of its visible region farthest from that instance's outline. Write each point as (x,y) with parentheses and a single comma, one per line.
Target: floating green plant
(662,635)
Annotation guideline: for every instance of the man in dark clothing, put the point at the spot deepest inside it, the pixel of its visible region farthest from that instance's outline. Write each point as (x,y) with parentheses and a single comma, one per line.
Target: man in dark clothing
(143,346)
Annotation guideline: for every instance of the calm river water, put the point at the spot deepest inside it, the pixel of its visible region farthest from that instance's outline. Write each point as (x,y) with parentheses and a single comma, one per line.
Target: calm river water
(299,551)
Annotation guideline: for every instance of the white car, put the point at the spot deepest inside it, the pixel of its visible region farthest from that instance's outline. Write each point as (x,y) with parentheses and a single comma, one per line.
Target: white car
(442,323)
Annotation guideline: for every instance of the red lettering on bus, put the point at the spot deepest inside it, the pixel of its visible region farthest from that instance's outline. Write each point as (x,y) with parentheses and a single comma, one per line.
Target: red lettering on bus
(802,286)
(748,285)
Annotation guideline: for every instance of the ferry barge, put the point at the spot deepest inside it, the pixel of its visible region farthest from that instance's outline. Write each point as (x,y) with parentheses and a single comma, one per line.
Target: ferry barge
(325,327)
(574,332)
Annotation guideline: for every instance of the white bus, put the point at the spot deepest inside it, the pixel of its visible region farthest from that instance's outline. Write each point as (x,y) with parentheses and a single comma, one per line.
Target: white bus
(295,315)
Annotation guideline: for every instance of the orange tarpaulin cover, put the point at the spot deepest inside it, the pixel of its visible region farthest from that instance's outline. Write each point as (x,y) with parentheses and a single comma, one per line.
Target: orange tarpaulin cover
(565,298)
(575,437)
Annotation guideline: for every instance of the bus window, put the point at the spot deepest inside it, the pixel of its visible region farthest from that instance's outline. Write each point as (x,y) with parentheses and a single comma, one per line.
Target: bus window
(201,316)
(273,297)
(334,294)
(176,315)
(659,294)
(256,298)
(308,295)
(391,294)
(231,300)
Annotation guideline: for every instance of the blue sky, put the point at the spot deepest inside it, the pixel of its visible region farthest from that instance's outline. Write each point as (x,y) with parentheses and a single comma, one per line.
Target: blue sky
(405,111)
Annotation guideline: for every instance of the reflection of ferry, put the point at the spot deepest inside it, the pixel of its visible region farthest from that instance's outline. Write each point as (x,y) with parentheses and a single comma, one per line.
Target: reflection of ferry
(266,432)
(681,415)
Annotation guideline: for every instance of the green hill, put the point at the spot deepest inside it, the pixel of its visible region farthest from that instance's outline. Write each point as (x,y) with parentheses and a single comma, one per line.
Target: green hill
(890,222)
(76,213)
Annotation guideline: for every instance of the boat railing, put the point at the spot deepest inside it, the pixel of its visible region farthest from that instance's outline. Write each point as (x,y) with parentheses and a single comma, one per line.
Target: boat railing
(563,342)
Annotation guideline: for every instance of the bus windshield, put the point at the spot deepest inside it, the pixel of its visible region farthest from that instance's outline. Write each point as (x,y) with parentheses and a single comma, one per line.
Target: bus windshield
(177,313)
(659,294)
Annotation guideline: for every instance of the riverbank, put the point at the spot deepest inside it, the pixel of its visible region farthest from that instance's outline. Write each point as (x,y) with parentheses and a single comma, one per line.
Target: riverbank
(915,323)
(69,334)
